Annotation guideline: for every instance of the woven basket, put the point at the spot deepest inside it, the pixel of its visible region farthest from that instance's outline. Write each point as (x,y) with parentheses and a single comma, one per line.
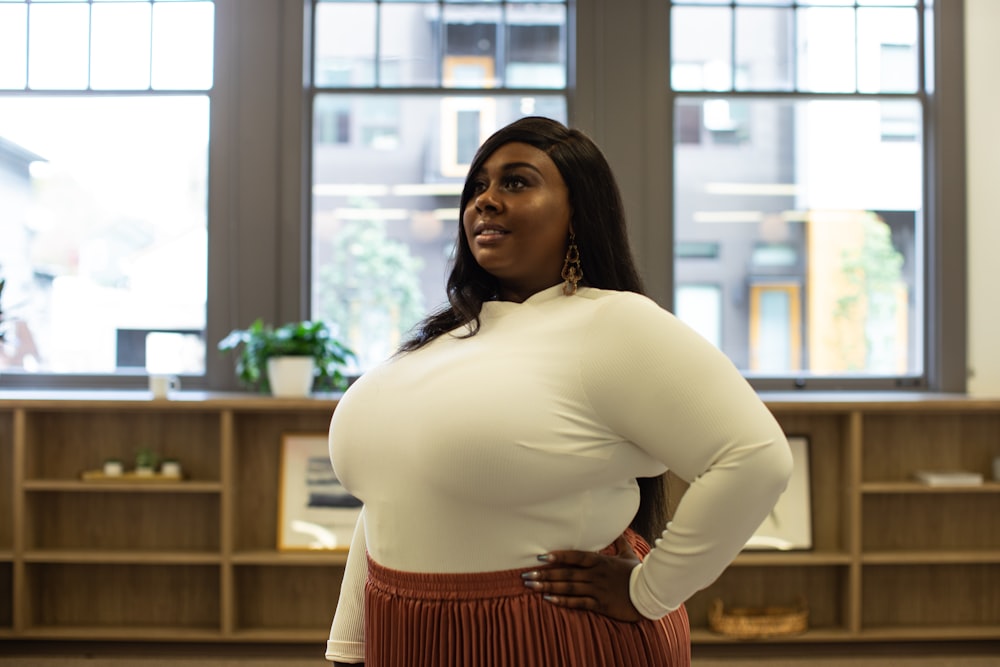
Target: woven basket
(758,622)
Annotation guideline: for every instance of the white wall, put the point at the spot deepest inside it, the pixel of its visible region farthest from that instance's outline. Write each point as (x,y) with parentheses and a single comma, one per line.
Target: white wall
(982,52)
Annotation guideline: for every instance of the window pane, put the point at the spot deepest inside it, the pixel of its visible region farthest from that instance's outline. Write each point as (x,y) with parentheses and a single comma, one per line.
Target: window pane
(13,46)
(536,48)
(58,44)
(764,54)
(826,50)
(345,44)
(385,213)
(408,41)
(103,221)
(887,45)
(701,45)
(836,186)
(120,53)
(183,45)
(472,40)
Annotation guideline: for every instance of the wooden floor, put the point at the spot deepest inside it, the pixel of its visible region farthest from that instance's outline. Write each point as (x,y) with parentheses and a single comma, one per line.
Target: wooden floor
(63,654)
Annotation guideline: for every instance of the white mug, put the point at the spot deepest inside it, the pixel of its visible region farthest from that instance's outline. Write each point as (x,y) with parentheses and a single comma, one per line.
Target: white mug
(161,385)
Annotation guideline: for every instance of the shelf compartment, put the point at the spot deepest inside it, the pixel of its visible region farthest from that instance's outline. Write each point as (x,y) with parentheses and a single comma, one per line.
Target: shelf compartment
(828,474)
(257,462)
(121,522)
(936,598)
(62,444)
(278,598)
(118,598)
(930,522)
(897,445)
(823,587)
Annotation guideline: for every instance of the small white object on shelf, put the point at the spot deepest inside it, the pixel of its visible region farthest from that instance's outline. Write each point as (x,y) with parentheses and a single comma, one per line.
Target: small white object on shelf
(949,477)
(170,468)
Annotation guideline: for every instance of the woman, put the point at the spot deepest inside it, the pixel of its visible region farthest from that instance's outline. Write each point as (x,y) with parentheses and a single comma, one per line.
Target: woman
(511,456)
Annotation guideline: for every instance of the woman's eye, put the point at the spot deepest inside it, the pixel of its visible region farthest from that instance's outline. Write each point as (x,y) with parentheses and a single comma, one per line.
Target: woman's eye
(514,182)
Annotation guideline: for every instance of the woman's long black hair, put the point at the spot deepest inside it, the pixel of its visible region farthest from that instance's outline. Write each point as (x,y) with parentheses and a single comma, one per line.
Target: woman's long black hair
(605,255)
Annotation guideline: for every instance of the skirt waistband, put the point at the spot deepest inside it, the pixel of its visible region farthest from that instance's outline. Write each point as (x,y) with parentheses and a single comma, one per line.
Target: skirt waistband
(447,586)
(461,585)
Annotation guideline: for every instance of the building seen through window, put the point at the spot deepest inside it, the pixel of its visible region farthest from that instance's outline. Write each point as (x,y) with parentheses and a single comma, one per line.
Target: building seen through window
(104,137)
(798,154)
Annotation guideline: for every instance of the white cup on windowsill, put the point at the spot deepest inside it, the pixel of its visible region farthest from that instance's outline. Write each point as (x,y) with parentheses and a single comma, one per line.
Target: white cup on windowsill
(160,385)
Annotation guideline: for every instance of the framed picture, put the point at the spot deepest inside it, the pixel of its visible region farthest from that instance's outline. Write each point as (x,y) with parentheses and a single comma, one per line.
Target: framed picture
(789,525)
(314,509)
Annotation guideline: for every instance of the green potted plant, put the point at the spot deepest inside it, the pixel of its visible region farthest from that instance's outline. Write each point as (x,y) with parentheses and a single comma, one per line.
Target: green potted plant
(145,461)
(308,346)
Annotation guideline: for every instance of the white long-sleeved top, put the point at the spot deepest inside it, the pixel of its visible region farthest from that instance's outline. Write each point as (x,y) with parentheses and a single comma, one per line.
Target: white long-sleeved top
(478,454)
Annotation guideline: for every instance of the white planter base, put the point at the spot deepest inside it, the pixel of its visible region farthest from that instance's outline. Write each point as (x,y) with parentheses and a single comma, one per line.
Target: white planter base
(290,377)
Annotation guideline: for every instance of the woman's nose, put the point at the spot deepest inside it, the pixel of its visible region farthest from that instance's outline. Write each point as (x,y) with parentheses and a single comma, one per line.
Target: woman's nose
(487,200)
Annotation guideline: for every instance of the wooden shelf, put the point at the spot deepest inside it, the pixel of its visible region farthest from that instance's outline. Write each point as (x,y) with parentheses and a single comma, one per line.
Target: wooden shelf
(290,558)
(916,488)
(119,633)
(892,559)
(792,558)
(929,557)
(159,486)
(823,636)
(129,557)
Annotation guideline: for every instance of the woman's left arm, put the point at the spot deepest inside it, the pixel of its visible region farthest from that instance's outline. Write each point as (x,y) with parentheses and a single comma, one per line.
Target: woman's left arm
(676,396)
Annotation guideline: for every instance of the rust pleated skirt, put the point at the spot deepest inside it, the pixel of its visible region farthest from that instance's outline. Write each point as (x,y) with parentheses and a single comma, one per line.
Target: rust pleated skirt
(489,619)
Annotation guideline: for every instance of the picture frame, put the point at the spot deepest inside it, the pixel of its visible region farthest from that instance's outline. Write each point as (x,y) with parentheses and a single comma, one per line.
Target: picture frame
(315,512)
(789,525)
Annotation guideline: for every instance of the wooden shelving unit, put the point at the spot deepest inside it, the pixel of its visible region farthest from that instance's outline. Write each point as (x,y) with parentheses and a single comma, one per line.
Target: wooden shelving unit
(892,559)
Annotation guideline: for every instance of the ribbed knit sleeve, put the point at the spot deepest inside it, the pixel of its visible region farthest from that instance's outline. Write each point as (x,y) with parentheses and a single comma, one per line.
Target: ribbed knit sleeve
(663,387)
(347,633)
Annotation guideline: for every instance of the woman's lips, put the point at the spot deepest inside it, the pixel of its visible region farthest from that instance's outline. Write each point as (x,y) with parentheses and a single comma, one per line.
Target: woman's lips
(487,234)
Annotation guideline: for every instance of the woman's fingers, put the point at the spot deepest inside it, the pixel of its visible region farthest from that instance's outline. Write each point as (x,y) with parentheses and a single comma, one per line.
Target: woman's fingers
(587,580)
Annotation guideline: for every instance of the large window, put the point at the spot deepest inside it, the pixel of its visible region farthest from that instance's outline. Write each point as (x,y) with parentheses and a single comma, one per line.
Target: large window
(174,169)
(799,151)
(403,95)
(104,135)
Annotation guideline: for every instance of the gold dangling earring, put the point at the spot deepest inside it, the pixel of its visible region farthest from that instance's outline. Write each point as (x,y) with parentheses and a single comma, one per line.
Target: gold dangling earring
(572,272)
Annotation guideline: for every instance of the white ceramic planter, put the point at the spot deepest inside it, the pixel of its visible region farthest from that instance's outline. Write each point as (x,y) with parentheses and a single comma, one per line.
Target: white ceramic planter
(290,377)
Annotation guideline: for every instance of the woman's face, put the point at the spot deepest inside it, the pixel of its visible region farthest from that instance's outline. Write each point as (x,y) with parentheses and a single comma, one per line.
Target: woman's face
(517,220)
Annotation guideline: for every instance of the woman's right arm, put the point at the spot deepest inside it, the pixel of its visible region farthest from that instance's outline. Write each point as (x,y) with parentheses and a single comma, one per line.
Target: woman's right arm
(346,646)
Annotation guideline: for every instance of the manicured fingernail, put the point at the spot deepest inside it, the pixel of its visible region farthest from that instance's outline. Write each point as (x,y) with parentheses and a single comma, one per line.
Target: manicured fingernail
(550,598)
(545,558)
(533,584)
